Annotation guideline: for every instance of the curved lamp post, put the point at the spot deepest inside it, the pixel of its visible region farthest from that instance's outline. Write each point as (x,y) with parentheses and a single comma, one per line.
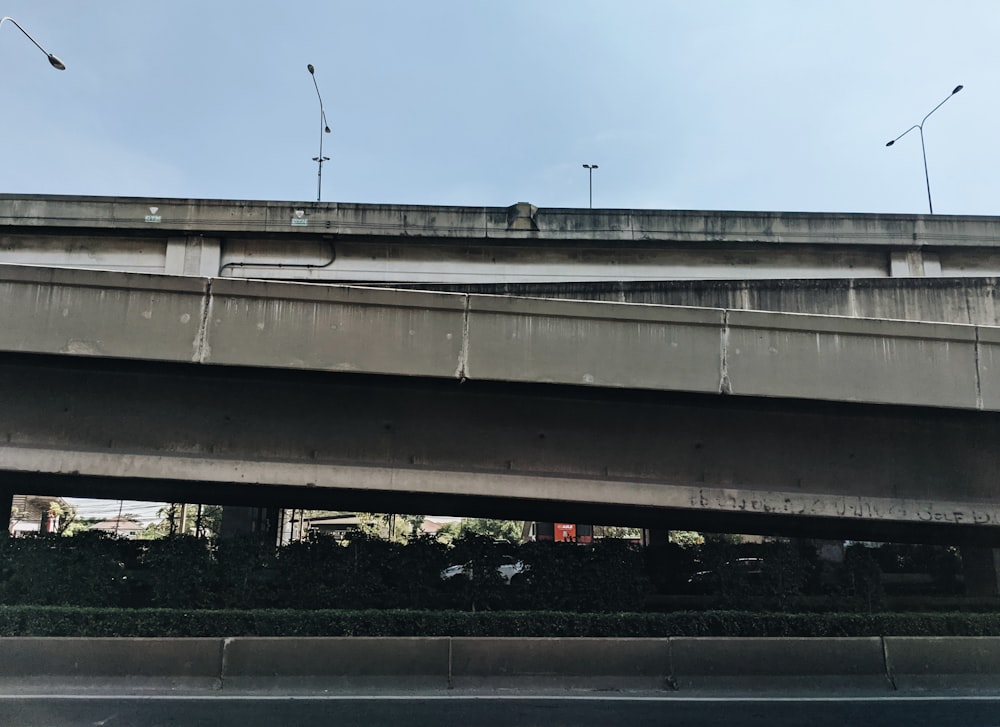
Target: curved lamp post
(920,128)
(324,128)
(56,63)
(590,173)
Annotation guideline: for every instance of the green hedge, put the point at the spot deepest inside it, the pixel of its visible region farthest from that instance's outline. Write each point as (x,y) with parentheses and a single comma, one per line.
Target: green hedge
(610,576)
(97,622)
(365,573)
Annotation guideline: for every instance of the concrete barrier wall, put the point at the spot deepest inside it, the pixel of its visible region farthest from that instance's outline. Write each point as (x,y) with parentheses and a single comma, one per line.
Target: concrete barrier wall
(492,338)
(809,663)
(681,663)
(110,657)
(590,662)
(933,663)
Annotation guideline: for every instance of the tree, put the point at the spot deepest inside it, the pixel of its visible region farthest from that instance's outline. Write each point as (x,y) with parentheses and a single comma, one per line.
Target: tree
(686,538)
(65,516)
(509,530)
(448,532)
(77,525)
(200,520)
(614,531)
(414,521)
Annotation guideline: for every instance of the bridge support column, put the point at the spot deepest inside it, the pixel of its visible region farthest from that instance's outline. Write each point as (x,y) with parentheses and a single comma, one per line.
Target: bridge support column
(981,567)
(655,536)
(193,255)
(914,264)
(6,510)
(259,521)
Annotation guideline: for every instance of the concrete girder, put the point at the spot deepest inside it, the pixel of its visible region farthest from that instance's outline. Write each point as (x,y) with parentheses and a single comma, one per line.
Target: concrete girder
(335,242)
(244,390)
(143,430)
(460,336)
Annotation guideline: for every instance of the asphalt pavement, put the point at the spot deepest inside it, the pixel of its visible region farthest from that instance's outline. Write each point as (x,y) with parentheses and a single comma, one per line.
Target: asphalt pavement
(487,710)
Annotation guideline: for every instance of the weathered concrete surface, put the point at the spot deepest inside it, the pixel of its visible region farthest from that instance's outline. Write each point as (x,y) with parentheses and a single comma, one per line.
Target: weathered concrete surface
(30,663)
(680,664)
(102,314)
(787,355)
(314,439)
(520,243)
(594,344)
(931,663)
(782,664)
(333,328)
(616,433)
(939,300)
(329,328)
(256,662)
(583,662)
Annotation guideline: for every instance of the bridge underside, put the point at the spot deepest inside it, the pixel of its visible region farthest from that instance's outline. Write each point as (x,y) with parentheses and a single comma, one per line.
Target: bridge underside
(224,435)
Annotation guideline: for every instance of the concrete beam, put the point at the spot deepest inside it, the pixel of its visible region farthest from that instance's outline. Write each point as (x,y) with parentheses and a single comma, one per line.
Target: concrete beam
(588,438)
(436,244)
(331,328)
(516,221)
(235,435)
(937,300)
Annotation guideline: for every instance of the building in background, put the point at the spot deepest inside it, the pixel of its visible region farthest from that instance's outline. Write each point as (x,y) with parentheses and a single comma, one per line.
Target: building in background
(36,514)
(120,527)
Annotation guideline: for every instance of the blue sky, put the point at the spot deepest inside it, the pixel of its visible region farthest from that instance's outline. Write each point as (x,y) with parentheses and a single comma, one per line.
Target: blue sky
(720,104)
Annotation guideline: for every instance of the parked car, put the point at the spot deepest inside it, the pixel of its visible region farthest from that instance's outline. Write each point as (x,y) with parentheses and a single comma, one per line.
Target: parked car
(507,570)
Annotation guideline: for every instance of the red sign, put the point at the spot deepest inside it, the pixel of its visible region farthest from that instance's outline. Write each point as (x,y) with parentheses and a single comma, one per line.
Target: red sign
(565,532)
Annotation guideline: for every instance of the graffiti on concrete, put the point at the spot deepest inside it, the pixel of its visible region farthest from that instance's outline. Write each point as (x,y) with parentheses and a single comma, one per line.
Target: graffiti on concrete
(869,508)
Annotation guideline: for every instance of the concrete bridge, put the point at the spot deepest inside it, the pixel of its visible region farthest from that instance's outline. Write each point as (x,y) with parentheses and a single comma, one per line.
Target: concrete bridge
(522,244)
(142,386)
(163,371)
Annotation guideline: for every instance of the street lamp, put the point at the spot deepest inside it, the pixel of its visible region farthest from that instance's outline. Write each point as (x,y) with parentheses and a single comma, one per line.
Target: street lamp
(324,128)
(56,63)
(590,173)
(920,128)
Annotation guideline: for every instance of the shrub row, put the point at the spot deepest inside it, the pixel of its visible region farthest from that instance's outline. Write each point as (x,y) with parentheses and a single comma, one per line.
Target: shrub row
(92,569)
(320,573)
(102,622)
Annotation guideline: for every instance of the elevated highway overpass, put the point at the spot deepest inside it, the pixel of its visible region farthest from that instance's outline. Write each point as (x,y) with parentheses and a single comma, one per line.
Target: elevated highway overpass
(925,268)
(520,244)
(168,387)
(820,374)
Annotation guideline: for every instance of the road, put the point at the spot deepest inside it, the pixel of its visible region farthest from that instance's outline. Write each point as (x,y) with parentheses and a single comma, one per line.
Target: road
(109,710)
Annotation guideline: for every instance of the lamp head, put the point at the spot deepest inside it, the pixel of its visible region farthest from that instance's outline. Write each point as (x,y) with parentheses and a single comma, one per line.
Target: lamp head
(311,69)
(59,65)
(957,89)
(890,143)
(326,129)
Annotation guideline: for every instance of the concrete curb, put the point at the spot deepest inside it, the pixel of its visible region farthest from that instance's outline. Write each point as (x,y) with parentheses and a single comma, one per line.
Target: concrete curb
(681,664)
